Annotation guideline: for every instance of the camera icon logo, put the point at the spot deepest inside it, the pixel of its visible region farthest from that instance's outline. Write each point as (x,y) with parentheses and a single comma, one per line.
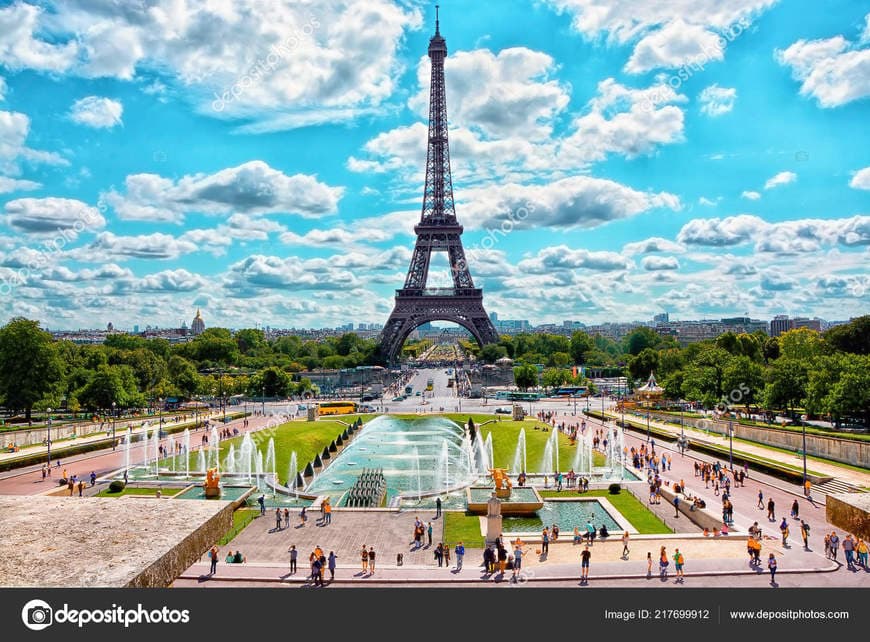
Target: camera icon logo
(37,615)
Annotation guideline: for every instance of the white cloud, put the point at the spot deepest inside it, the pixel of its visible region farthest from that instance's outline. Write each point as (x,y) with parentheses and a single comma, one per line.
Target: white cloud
(577,201)
(669,31)
(251,188)
(52,216)
(674,45)
(787,237)
(707,202)
(832,70)
(147,246)
(97,112)
(2,88)
(561,257)
(14,129)
(502,95)
(257,272)
(750,195)
(861,179)
(245,60)
(783,178)
(653,244)
(15,185)
(658,263)
(716,100)
(19,49)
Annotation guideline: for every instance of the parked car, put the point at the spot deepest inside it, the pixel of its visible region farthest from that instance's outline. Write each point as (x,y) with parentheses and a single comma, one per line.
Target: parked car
(503,411)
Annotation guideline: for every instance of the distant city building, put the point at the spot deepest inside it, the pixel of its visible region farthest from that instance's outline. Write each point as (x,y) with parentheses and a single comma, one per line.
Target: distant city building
(135,329)
(493,316)
(197,326)
(781,324)
(660,318)
(110,327)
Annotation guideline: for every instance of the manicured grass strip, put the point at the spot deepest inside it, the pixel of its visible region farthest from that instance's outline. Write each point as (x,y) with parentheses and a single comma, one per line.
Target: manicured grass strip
(152,492)
(462,527)
(241,518)
(644,520)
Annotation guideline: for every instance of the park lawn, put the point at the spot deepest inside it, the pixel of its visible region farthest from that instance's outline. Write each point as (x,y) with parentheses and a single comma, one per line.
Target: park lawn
(306,438)
(505,435)
(644,520)
(241,518)
(167,492)
(462,527)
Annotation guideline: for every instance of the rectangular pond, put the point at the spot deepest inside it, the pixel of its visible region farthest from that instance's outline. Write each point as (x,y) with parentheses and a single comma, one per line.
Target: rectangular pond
(567,514)
(228,493)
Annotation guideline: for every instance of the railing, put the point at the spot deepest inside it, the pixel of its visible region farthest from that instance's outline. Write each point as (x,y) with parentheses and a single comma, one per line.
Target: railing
(449,292)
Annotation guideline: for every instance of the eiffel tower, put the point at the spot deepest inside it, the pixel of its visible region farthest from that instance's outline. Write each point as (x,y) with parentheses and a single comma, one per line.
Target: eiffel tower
(438,231)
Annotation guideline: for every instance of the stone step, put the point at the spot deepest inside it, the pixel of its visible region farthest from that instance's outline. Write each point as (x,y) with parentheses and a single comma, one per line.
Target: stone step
(833,486)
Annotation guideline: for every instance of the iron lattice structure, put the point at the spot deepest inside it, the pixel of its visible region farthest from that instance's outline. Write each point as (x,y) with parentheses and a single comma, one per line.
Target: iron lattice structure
(438,231)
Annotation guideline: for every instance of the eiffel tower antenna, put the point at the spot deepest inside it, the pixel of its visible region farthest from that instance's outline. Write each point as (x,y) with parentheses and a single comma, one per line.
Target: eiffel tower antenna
(437,231)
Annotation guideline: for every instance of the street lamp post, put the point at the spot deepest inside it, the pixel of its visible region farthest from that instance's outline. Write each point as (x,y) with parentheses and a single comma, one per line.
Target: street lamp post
(731,444)
(48,441)
(804,425)
(647,425)
(263,398)
(114,414)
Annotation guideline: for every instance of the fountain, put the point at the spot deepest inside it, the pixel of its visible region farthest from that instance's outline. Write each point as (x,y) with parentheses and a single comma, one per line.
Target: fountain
(200,464)
(292,472)
(212,483)
(260,480)
(127,445)
(519,463)
(214,442)
(246,452)
(269,465)
(546,466)
(468,453)
(186,439)
(582,463)
(230,461)
(512,501)
(419,490)
(490,459)
(157,452)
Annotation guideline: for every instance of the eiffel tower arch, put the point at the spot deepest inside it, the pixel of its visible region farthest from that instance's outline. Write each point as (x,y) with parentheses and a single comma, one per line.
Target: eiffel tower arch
(437,231)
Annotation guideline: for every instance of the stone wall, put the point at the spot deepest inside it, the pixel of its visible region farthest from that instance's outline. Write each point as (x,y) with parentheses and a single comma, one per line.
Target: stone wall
(850,512)
(841,449)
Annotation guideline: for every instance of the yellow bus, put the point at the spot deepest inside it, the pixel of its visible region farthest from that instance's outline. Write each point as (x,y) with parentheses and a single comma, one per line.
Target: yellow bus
(336,408)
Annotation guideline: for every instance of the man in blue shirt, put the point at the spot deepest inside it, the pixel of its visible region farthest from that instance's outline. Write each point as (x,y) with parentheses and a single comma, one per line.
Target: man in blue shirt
(460,553)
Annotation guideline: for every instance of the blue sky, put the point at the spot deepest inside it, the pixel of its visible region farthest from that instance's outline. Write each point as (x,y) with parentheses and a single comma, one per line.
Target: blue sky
(264,161)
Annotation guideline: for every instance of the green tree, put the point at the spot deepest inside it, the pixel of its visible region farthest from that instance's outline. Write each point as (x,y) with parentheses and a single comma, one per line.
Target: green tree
(851,337)
(492,352)
(802,343)
(786,383)
(559,359)
(581,345)
(770,349)
(639,339)
(250,340)
(275,381)
(184,376)
(742,381)
(640,366)
(554,377)
(525,376)
(29,364)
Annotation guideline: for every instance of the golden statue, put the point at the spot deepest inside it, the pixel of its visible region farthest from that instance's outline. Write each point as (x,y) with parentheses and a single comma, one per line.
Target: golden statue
(502,481)
(211,485)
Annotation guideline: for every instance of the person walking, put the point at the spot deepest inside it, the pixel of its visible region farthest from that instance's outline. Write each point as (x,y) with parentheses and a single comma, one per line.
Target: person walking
(317,571)
(828,545)
(364,557)
(81,487)
(459,551)
(261,500)
(279,518)
(429,533)
(501,555)
(545,541)
(795,509)
(327,513)
(677,505)
(783,528)
(649,564)
(585,556)
(760,500)
(771,512)
(835,544)
(679,560)
(286,518)
(805,534)
(293,555)
(625,550)
(518,559)
(331,565)
(93,478)
(303,515)
(849,552)
(663,563)
(861,549)
(771,566)
(213,554)
(371,560)
(439,554)
(437,507)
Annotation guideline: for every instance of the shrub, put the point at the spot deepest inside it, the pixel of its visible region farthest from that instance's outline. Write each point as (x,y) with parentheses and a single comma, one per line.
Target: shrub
(614,489)
(117,486)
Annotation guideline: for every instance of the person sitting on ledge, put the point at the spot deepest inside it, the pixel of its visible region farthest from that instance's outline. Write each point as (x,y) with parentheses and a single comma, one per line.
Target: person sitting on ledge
(230,558)
(602,532)
(238,558)
(724,530)
(578,538)
(706,532)
(715,532)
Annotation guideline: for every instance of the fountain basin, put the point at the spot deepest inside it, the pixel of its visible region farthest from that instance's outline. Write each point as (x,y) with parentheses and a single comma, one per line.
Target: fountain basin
(522,501)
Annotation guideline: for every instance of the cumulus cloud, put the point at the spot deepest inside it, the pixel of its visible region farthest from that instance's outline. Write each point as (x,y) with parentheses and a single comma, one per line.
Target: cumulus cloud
(171,281)
(502,95)
(251,188)
(834,70)
(256,272)
(783,178)
(787,237)
(14,129)
(716,100)
(279,63)
(577,201)
(97,112)
(861,179)
(658,263)
(750,195)
(669,33)
(2,88)
(653,244)
(52,216)
(562,257)
(147,246)
(16,185)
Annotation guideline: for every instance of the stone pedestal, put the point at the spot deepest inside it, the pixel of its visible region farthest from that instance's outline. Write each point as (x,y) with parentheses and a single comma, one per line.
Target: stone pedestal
(493,519)
(212,491)
(312,413)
